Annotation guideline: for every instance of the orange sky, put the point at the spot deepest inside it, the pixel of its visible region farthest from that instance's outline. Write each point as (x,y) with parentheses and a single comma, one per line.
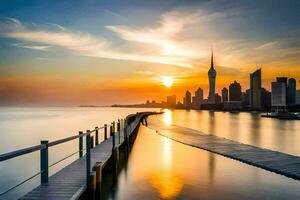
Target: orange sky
(121,55)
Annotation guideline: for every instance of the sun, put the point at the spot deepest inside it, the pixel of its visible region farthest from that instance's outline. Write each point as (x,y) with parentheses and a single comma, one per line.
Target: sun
(167,81)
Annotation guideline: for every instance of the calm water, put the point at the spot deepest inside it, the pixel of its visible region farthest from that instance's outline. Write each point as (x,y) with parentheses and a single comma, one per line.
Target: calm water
(24,127)
(159,168)
(274,134)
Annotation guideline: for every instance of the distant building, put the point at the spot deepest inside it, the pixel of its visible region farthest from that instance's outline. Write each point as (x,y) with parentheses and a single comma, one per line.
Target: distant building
(212,81)
(265,98)
(224,94)
(218,98)
(198,98)
(188,99)
(298,97)
(246,100)
(278,93)
(291,91)
(235,91)
(171,101)
(282,80)
(232,105)
(199,95)
(255,90)
(285,81)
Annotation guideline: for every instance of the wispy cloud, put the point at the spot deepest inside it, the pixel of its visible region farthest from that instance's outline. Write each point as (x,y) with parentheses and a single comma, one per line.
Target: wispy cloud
(268,44)
(34,47)
(179,38)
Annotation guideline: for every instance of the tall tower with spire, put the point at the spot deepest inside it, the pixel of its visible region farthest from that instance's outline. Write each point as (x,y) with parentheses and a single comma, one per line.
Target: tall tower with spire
(212,80)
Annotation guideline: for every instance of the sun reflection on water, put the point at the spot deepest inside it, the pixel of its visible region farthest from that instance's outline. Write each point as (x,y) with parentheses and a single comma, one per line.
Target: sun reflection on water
(167,116)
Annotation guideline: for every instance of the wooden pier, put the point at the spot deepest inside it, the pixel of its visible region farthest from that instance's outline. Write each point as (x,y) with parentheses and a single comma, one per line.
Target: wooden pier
(83,177)
(277,162)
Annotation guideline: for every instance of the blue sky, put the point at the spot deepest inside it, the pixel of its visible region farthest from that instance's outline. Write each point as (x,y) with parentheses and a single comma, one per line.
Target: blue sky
(118,39)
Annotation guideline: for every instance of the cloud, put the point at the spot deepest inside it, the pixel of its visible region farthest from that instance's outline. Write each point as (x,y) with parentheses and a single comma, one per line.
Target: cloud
(268,44)
(34,47)
(178,38)
(147,73)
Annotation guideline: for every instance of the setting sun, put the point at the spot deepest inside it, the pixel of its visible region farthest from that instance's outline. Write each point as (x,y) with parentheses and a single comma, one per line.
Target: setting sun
(167,81)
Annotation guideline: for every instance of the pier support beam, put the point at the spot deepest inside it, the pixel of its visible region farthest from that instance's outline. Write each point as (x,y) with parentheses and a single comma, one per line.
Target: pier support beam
(116,163)
(97,168)
(92,186)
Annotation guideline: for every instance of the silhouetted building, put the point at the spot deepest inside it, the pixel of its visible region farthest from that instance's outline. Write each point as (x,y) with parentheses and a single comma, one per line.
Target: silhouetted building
(255,90)
(218,98)
(171,101)
(212,81)
(224,94)
(265,98)
(298,97)
(188,99)
(232,105)
(282,80)
(291,92)
(235,91)
(198,98)
(199,95)
(279,93)
(246,100)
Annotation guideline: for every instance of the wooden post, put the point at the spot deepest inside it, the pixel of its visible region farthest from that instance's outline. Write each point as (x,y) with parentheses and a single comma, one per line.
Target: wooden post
(125,143)
(97,168)
(114,140)
(105,131)
(44,162)
(118,125)
(80,145)
(116,162)
(88,156)
(92,186)
(92,142)
(111,129)
(119,130)
(96,136)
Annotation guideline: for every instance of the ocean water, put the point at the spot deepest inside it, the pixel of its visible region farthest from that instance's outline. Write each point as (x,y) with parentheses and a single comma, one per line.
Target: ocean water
(24,127)
(160,168)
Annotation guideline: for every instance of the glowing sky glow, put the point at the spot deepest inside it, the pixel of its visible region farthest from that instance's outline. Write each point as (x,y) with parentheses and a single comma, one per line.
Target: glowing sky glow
(91,52)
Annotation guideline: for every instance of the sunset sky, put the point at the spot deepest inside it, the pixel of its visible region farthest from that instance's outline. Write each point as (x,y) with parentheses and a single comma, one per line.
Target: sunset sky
(96,52)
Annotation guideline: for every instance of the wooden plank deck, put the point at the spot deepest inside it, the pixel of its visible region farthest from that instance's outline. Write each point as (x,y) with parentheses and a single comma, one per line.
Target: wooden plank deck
(274,161)
(70,182)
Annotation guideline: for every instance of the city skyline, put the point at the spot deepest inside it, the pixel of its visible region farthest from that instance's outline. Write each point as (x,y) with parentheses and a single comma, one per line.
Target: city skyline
(97,51)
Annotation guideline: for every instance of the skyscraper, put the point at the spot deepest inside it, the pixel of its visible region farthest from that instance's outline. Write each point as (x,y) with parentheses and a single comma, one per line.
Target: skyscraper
(224,94)
(212,81)
(188,99)
(265,98)
(255,90)
(171,101)
(291,92)
(199,95)
(198,98)
(235,92)
(279,94)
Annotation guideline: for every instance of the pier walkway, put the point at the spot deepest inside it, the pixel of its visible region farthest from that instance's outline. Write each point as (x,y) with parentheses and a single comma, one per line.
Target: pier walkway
(83,177)
(280,163)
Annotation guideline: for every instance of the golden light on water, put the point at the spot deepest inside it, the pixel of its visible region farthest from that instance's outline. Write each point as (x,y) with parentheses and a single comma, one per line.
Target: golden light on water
(167,116)
(167,81)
